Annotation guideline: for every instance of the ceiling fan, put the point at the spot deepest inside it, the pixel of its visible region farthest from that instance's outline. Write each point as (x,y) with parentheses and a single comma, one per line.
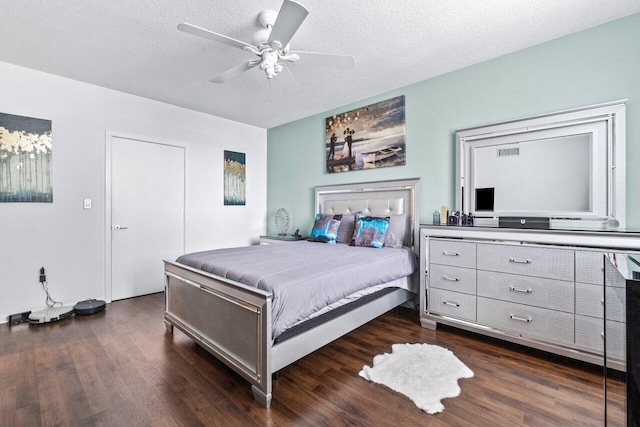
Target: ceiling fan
(271,44)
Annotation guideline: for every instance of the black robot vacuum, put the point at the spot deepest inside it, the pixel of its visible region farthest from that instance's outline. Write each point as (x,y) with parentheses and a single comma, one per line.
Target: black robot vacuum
(90,306)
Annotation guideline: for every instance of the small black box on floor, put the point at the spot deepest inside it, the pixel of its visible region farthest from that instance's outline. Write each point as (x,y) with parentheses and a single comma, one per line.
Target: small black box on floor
(538,222)
(90,306)
(16,319)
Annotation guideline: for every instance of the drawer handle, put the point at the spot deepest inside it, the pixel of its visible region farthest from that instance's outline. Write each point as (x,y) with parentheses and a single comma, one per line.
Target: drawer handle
(452,304)
(521,319)
(602,335)
(451,279)
(602,301)
(520,261)
(524,291)
(447,253)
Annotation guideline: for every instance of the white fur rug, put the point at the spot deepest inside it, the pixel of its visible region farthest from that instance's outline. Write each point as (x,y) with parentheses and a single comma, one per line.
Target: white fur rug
(424,373)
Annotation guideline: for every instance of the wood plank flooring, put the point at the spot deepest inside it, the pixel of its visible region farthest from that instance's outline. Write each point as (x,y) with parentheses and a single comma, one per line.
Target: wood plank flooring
(121,368)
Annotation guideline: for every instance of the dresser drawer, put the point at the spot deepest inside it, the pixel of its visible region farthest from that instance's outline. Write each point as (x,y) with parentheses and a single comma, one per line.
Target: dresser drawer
(590,302)
(539,292)
(447,252)
(550,325)
(590,267)
(454,304)
(456,279)
(545,262)
(589,335)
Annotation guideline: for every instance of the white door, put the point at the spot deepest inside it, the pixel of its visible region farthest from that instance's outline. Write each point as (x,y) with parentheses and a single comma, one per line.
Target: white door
(147,214)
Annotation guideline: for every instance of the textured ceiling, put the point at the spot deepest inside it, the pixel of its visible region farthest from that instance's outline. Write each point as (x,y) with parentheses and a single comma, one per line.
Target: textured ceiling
(134,46)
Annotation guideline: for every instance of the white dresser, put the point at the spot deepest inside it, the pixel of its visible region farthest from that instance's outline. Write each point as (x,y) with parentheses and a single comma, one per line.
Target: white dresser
(544,289)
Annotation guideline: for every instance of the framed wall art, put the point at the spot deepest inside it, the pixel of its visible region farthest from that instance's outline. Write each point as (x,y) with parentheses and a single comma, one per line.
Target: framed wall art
(234,178)
(367,137)
(25,159)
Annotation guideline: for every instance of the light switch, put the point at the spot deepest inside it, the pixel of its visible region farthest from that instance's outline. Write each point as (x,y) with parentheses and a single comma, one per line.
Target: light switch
(87,203)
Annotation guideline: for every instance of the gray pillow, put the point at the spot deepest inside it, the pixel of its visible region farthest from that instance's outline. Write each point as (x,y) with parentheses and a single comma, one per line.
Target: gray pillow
(347,225)
(396,231)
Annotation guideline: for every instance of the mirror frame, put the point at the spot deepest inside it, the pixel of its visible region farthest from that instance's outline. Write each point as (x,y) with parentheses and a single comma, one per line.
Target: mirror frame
(612,114)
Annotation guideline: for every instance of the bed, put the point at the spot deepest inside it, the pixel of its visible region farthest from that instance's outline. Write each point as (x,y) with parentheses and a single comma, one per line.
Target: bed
(242,313)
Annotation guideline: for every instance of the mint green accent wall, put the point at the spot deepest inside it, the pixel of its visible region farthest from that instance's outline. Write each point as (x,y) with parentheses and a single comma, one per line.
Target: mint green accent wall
(597,65)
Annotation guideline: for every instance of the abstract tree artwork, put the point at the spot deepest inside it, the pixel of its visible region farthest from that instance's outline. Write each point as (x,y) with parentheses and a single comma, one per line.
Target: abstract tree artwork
(25,159)
(234,178)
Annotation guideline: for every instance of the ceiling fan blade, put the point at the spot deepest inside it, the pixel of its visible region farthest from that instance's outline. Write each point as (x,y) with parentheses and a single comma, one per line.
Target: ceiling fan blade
(201,32)
(234,71)
(325,59)
(289,19)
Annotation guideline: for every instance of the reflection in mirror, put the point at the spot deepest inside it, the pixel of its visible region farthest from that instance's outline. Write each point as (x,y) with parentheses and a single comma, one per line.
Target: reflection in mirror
(568,167)
(535,168)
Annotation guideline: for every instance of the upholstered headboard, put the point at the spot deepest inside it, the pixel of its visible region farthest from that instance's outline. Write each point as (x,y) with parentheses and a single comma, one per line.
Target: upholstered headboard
(380,198)
(368,206)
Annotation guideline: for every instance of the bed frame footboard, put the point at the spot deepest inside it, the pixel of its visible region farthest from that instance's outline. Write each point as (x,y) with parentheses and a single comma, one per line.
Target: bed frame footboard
(233,322)
(230,320)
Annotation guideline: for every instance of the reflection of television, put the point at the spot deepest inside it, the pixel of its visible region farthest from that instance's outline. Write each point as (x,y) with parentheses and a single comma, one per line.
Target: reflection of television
(484,199)
(558,166)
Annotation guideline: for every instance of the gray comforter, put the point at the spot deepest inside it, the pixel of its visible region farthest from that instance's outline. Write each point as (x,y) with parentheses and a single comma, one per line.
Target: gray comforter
(304,277)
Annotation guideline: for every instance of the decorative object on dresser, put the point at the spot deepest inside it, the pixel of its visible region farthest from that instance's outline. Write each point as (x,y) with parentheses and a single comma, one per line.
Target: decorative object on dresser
(444,214)
(424,373)
(541,223)
(367,137)
(540,288)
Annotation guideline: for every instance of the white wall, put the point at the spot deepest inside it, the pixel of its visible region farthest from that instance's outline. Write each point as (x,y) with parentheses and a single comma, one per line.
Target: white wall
(70,241)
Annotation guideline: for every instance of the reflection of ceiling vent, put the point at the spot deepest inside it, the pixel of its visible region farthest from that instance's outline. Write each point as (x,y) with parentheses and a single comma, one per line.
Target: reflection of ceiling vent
(503,152)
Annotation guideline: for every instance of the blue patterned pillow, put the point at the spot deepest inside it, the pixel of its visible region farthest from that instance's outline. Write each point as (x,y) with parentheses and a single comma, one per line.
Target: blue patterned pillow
(370,231)
(325,228)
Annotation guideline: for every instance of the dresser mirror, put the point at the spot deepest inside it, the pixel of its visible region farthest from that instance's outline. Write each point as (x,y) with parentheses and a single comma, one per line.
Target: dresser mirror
(567,166)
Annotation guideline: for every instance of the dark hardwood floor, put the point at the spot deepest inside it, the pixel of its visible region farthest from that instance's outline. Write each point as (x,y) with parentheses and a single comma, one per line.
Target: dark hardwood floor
(121,368)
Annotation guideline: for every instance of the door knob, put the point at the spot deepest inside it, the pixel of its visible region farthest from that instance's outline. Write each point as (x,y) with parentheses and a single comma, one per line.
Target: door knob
(119,227)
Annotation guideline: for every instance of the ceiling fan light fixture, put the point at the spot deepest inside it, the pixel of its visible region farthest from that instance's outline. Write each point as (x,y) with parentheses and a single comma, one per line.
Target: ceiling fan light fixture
(269,63)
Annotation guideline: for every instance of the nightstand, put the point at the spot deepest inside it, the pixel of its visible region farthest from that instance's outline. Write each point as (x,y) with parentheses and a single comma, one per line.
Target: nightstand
(272,240)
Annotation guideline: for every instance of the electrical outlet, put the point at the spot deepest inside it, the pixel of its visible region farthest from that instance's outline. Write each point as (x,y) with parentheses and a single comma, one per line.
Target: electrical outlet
(43,276)
(87,203)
